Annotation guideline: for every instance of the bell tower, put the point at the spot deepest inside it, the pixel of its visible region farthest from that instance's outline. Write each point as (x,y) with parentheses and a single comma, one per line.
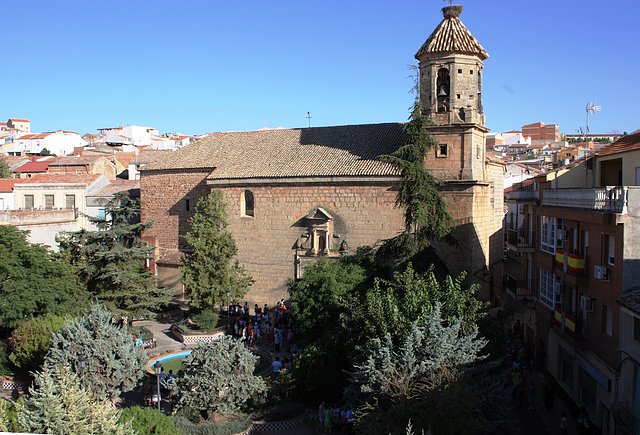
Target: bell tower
(450,64)
(451,71)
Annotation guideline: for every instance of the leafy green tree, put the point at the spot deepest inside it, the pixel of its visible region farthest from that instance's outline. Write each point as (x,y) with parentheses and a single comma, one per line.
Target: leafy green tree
(425,210)
(33,282)
(392,306)
(4,359)
(60,405)
(4,418)
(5,170)
(111,261)
(325,293)
(208,269)
(32,339)
(149,421)
(413,379)
(217,378)
(100,352)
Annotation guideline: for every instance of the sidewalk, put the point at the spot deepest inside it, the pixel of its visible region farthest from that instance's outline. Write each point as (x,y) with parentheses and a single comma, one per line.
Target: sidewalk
(551,420)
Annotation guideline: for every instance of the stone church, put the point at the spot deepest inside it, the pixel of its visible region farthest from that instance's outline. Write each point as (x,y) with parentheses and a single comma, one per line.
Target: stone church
(297,194)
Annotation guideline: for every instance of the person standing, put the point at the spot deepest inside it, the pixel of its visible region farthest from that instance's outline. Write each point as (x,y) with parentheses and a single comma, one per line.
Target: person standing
(564,421)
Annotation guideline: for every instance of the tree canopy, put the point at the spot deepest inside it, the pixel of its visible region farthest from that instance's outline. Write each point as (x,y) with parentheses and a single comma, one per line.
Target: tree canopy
(208,269)
(100,352)
(217,378)
(33,282)
(111,261)
(31,340)
(59,405)
(5,170)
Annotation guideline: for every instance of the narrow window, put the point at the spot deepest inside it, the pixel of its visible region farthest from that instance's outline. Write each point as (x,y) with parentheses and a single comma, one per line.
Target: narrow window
(470,71)
(102,214)
(247,203)
(443,150)
(636,329)
(28,201)
(70,201)
(443,90)
(187,205)
(460,71)
(48,202)
(607,320)
(611,249)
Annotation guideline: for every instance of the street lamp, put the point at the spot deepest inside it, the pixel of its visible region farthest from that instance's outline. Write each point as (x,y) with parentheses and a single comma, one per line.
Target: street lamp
(82,363)
(158,370)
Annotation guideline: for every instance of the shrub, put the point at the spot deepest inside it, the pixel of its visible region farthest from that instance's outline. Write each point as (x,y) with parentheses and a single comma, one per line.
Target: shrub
(149,421)
(239,423)
(4,360)
(31,340)
(140,331)
(206,319)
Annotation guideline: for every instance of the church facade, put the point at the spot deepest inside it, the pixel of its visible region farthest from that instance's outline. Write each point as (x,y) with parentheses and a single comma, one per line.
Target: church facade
(295,195)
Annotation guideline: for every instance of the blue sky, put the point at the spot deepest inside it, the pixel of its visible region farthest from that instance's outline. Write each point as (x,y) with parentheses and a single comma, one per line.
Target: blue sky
(201,66)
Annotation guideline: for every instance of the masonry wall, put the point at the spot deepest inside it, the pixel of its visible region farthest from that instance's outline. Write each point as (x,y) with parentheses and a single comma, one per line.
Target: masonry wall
(363,215)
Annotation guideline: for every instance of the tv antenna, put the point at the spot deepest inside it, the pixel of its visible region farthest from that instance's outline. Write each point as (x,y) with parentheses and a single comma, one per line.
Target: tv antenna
(309,118)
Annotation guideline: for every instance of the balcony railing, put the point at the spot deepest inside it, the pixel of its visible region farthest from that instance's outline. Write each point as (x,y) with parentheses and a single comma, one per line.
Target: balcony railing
(523,195)
(519,285)
(608,199)
(521,239)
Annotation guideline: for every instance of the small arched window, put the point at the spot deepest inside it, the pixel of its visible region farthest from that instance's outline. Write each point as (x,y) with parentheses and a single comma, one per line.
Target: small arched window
(246,203)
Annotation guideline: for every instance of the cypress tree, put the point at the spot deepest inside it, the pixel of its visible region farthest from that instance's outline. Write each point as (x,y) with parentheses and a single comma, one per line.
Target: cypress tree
(208,269)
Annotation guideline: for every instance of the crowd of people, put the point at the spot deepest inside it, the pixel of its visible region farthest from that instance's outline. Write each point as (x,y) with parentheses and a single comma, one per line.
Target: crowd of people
(334,417)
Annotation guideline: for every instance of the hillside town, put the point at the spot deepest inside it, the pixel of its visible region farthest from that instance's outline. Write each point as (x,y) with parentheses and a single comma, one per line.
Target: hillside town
(531,231)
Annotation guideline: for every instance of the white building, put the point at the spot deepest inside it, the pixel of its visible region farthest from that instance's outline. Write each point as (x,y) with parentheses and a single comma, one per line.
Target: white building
(7,201)
(128,135)
(22,125)
(60,143)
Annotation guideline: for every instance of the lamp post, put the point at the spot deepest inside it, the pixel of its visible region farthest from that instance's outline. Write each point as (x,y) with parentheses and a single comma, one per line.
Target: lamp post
(228,307)
(158,370)
(82,363)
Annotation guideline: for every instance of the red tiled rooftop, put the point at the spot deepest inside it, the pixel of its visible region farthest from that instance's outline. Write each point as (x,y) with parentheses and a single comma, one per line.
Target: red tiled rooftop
(6,185)
(18,120)
(626,143)
(63,179)
(33,167)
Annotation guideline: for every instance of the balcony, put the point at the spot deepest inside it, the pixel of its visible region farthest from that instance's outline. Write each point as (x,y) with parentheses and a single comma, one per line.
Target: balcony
(523,195)
(519,240)
(518,285)
(605,199)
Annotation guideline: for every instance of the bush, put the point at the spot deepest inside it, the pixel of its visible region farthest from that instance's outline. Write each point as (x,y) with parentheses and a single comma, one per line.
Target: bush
(140,331)
(206,319)
(32,339)
(236,424)
(149,421)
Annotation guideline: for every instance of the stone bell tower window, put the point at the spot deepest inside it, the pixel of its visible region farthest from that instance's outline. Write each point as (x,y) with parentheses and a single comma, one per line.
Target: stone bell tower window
(443,89)
(246,204)
(442,150)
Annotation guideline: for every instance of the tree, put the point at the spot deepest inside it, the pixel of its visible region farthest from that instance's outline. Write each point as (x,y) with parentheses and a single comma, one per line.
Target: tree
(392,306)
(217,378)
(321,296)
(32,339)
(5,170)
(33,282)
(425,210)
(416,378)
(148,421)
(100,352)
(111,261)
(208,270)
(59,405)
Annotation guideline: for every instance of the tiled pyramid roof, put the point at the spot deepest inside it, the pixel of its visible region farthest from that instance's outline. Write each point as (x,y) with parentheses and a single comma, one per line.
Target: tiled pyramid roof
(451,36)
(350,150)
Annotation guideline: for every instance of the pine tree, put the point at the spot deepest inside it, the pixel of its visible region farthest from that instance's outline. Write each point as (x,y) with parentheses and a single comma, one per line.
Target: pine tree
(59,405)
(5,170)
(111,261)
(217,378)
(100,352)
(425,210)
(208,270)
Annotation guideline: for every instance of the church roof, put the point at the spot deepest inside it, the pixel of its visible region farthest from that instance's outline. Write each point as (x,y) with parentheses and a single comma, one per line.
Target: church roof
(349,150)
(451,36)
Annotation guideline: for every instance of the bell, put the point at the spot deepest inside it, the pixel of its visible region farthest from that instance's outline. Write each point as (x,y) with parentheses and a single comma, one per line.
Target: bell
(443,92)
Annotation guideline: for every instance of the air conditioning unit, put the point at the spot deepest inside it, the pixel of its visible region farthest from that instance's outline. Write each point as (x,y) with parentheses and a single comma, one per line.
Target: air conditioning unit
(600,272)
(586,304)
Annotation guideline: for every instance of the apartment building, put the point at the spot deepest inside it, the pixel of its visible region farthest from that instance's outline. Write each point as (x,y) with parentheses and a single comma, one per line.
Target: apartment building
(573,243)
(539,132)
